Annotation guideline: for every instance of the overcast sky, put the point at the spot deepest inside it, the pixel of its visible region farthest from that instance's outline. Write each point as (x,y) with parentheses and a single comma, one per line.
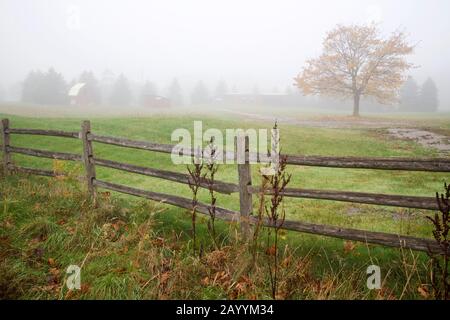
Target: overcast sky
(243,42)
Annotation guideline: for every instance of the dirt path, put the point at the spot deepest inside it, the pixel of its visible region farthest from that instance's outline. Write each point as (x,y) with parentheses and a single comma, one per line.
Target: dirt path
(323,121)
(405,130)
(425,138)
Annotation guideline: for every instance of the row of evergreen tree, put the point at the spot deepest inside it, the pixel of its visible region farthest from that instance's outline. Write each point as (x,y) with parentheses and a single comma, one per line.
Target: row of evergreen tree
(44,88)
(415,98)
(50,87)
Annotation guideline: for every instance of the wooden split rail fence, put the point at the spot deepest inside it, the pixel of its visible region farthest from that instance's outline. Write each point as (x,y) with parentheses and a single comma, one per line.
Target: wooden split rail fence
(244,187)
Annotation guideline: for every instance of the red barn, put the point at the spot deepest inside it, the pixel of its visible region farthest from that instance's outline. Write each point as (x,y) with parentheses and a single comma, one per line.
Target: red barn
(79,95)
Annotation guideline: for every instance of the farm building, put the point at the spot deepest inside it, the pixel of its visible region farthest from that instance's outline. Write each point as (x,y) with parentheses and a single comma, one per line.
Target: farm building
(154,101)
(82,94)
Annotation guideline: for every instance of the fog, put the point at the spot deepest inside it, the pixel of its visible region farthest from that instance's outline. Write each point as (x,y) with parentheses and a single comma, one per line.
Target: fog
(246,43)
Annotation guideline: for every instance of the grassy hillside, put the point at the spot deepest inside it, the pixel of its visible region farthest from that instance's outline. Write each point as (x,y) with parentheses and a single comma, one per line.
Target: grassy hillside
(137,249)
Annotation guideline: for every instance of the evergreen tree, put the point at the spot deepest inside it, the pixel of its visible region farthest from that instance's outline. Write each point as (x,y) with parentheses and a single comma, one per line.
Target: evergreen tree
(148,89)
(54,88)
(121,93)
(174,93)
(409,95)
(91,88)
(44,88)
(106,84)
(200,94)
(429,96)
(221,89)
(30,88)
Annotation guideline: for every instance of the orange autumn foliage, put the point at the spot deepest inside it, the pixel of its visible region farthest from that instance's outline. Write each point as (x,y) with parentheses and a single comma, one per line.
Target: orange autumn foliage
(357,61)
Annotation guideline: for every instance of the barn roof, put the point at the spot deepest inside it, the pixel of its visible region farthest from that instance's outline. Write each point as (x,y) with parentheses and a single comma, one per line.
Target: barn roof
(75,90)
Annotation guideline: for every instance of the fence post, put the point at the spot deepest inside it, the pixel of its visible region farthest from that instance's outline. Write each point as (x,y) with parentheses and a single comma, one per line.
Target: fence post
(6,141)
(245,180)
(88,157)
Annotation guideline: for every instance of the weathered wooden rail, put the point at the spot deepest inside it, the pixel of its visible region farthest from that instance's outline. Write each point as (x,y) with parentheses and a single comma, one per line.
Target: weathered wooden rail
(244,186)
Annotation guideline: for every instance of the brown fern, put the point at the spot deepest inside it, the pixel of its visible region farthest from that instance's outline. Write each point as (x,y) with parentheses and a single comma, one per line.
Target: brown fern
(440,263)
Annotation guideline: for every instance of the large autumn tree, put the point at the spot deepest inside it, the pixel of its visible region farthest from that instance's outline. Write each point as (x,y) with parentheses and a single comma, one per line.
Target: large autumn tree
(358,61)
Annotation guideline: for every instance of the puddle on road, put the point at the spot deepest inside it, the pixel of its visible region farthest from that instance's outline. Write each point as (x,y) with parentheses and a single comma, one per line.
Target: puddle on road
(425,138)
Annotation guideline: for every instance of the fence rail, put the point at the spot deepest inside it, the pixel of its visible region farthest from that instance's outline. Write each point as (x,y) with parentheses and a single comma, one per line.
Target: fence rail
(412,202)
(408,164)
(45,153)
(143,145)
(381,238)
(244,187)
(54,133)
(38,172)
(393,163)
(219,186)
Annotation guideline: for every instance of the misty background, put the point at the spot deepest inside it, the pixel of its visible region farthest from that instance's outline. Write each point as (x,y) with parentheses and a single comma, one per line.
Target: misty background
(248,45)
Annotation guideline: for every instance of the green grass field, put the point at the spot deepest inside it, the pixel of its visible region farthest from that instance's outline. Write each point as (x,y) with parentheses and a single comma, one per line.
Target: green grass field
(316,267)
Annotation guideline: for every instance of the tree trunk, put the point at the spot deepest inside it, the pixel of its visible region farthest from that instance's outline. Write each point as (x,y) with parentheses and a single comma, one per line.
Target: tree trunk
(356,97)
